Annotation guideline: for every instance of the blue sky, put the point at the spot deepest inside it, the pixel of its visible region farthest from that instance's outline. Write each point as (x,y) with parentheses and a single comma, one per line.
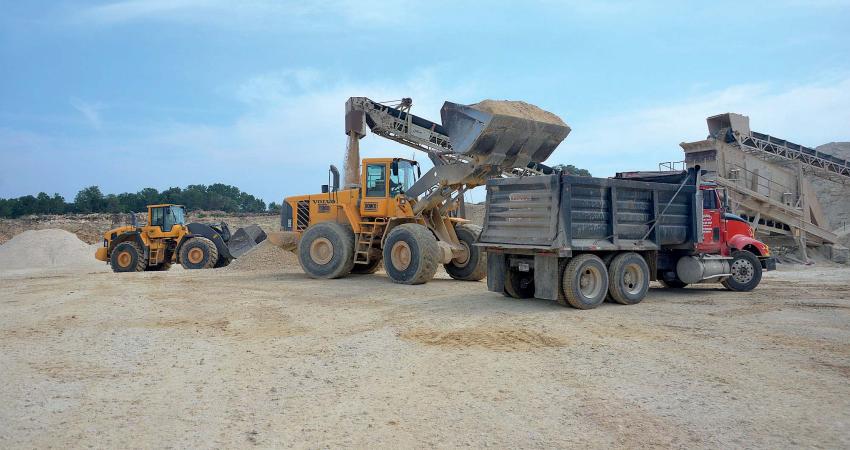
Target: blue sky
(130,94)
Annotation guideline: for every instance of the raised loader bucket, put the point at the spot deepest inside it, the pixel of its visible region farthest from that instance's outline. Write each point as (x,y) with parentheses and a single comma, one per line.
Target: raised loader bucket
(245,239)
(503,133)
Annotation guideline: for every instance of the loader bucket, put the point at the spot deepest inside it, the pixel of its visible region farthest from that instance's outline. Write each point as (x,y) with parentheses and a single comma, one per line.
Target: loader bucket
(507,134)
(245,239)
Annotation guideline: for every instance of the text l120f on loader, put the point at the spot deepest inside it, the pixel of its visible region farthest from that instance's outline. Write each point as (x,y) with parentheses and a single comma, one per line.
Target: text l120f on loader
(387,211)
(166,239)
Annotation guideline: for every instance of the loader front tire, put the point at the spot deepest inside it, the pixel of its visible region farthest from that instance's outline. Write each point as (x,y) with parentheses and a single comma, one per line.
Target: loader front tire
(128,257)
(411,254)
(474,266)
(326,250)
(198,253)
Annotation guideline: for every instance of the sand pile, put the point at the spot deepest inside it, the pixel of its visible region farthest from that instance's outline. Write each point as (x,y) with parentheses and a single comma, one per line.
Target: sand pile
(518,109)
(266,256)
(47,249)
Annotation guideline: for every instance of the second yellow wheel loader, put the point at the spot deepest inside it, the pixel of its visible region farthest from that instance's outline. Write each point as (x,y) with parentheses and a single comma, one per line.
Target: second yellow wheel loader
(388,212)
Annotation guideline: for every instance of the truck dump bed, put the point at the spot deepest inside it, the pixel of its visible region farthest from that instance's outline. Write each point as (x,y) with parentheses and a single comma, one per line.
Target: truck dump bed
(563,214)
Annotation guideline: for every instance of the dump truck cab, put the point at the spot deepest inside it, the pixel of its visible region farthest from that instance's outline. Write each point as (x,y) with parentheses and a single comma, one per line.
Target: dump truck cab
(724,233)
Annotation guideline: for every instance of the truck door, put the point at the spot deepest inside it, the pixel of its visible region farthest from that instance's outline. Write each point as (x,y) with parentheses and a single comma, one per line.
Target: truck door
(375,196)
(712,211)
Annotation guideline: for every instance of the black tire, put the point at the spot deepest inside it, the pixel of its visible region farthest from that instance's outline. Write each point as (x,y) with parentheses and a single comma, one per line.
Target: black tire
(585,281)
(326,250)
(519,284)
(746,272)
(416,254)
(628,278)
(159,267)
(128,257)
(671,281)
(475,266)
(366,269)
(198,253)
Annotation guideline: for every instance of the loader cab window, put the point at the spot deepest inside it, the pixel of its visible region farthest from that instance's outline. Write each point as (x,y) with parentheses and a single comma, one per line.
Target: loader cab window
(376,180)
(157,217)
(401,177)
(174,215)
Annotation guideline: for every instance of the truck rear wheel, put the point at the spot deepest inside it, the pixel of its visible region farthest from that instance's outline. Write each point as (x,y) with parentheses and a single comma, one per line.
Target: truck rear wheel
(585,281)
(198,253)
(128,257)
(411,254)
(326,250)
(628,278)
(472,267)
(519,284)
(746,272)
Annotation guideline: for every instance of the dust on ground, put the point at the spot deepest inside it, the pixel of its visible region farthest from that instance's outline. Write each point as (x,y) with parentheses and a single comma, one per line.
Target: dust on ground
(238,357)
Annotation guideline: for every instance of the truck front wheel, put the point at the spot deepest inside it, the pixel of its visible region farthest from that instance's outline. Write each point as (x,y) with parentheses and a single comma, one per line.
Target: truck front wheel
(746,272)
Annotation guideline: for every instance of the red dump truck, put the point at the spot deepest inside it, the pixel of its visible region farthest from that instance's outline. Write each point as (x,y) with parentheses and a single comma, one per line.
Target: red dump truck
(580,240)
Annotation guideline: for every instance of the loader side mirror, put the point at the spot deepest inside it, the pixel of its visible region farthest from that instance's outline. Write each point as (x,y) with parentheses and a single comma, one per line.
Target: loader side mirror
(325,189)
(394,168)
(418,172)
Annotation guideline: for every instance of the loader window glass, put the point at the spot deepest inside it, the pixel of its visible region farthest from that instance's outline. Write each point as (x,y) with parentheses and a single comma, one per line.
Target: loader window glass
(376,180)
(401,182)
(157,217)
(174,216)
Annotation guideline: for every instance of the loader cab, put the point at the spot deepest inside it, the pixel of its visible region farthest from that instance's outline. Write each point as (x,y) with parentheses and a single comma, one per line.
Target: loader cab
(163,218)
(385,181)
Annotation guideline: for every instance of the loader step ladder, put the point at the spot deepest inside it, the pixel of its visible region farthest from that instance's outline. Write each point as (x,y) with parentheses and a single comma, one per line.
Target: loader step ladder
(366,239)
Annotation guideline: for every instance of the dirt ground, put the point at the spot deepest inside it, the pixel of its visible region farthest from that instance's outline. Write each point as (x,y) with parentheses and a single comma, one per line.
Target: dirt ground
(227,358)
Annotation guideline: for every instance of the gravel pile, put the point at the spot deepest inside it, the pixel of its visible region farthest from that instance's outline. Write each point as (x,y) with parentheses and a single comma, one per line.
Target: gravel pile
(47,249)
(266,257)
(517,109)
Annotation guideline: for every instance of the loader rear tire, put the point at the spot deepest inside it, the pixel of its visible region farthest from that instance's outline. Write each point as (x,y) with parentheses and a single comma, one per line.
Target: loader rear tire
(585,281)
(474,266)
(326,250)
(198,253)
(128,257)
(411,254)
(628,278)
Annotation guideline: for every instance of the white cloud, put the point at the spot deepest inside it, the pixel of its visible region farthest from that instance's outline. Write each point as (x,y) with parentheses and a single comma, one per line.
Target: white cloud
(808,114)
(90,111)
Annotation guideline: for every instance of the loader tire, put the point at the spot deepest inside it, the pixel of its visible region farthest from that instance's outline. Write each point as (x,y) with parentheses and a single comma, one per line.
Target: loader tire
(366,269)
(159,267)
(128,257)
(628,278)
(746,272)
(326,250)
(474,266)
(411,254)
(585,281)
(198,253)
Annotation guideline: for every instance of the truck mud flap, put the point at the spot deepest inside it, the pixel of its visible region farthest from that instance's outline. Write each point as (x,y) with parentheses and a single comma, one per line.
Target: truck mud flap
(245,239)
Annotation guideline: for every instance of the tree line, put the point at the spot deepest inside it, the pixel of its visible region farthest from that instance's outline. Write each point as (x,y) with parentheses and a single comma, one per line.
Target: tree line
(215,197)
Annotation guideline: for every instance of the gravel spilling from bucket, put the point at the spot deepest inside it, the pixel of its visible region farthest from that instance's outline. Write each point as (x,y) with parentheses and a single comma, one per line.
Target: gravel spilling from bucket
(266,257)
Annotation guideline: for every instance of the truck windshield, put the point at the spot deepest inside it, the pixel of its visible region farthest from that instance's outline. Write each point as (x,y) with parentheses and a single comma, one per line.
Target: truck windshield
(401,182)
(173,216)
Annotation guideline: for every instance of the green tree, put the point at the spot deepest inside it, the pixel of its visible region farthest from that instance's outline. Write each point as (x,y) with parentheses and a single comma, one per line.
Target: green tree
(572,170)
(89,200)
(274,208)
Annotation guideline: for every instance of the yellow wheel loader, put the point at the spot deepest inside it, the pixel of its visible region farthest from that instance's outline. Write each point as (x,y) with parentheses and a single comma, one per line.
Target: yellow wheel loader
(388,212)
(166,239)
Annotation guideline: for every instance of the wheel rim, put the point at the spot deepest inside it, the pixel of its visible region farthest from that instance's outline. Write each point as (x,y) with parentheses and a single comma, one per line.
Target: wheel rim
(124,259)
(321,251)
(195,255)
(632,281)
(590,282)
(463,259)
(742,271)
(400,255)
